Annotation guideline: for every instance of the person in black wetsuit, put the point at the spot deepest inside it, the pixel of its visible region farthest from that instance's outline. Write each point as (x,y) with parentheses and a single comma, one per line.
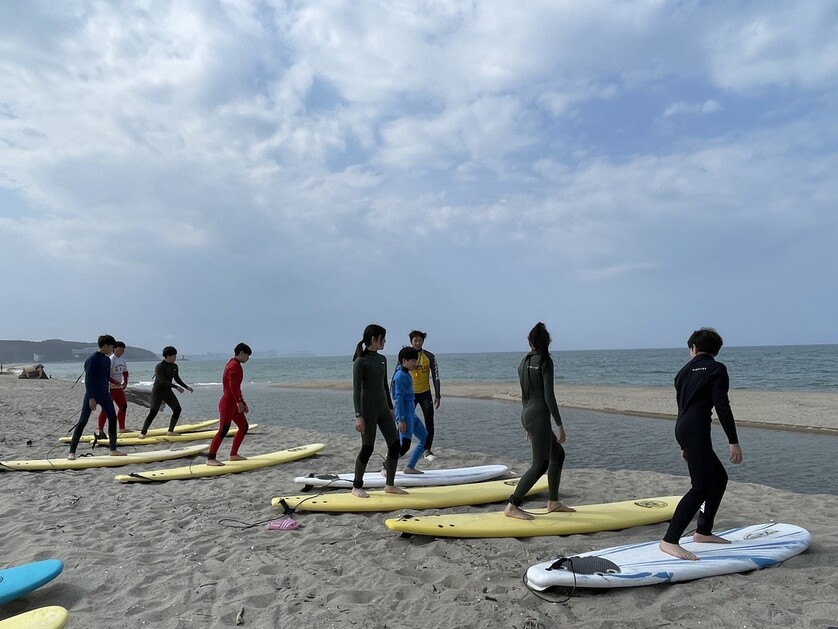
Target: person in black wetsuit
(373,408)
(539,400)
(165,375)
(701,385)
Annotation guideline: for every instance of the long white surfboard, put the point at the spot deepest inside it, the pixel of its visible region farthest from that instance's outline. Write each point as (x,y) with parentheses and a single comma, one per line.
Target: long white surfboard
(751,548)
(430,478)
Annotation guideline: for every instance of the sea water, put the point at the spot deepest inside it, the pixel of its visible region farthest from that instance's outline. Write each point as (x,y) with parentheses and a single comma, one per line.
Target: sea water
(788,460)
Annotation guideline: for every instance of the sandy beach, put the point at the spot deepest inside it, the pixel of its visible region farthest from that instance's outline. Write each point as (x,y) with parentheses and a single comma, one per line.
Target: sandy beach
(172,555)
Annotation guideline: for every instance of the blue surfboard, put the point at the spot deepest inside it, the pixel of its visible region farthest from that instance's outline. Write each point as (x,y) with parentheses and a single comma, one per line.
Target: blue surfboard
(20,580)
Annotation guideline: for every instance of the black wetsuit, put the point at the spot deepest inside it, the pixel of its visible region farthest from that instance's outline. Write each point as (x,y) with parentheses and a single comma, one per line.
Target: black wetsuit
(371,397)
(162,391)
(539,400)
(701,385)
(97,386)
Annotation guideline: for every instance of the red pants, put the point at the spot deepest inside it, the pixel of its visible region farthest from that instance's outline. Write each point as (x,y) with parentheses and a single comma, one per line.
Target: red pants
(228,414)
(118,397)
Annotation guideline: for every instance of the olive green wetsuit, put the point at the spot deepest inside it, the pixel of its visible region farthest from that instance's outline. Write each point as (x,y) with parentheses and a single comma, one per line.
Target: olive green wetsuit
(371,397)
(539,400)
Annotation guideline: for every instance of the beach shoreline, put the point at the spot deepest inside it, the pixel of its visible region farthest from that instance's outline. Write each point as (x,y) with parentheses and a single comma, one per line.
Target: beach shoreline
(799,411)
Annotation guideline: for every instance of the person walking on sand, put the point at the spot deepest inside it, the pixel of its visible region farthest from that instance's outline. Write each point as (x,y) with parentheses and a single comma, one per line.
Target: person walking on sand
(373,408)
(165,375)
(535,374)
(701,384)
(231,407)
(118,379)
(97,391)
(424,374)
(401,387)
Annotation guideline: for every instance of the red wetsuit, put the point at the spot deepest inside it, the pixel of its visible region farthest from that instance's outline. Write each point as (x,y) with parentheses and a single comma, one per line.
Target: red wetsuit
(118,397)
(228,409)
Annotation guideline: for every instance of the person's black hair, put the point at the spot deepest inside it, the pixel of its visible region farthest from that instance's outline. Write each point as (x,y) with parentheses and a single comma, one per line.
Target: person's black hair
(119,344)
(706,340)
(242,347)
(371,331)
(416,333)
(169,351)
(539,339)
(408,353)
(106,339)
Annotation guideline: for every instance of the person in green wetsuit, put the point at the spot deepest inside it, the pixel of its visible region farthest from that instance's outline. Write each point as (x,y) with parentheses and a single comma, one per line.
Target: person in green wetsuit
(373,408)
(539,399)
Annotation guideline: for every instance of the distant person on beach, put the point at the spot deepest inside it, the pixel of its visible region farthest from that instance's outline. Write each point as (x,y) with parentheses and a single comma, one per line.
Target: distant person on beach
(373,408)
(165,375)
(97,391)
(538,397)
(401,387)
(425,374)
(701,385)
(231,407)
(118,379)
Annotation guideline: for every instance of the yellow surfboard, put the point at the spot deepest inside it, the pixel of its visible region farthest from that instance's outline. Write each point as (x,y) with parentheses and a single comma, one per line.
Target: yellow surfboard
(611,516)
(417,498)
(184,437)
(154,432)
(53,617)
(84,462)
(229,467)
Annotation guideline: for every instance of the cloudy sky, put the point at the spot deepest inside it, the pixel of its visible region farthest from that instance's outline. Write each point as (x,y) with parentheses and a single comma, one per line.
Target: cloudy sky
(283,173)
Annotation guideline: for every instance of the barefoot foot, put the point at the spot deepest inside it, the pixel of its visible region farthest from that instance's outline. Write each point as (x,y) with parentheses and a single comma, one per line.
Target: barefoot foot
(709,539)
(117,453)
(677,551)
(392,489)
(554,506)
(360,492)
(214,463)
(238,457)
(412,470)
(71,456)
(512,511)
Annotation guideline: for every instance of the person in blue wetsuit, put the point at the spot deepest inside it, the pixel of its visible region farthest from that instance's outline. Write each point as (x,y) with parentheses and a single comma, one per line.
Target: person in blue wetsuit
(535,374)
(373,409)
(701,385)
(404,405)
(97,369)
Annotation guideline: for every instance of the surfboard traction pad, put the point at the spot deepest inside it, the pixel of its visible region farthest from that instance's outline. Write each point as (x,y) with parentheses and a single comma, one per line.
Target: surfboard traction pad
(585,565)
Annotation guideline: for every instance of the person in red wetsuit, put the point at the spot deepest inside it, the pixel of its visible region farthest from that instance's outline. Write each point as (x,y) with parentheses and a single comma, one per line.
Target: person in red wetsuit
(232,408)
(118,379)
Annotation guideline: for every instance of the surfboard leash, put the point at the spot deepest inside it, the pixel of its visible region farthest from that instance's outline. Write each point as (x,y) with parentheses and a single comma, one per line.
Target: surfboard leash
(555,601)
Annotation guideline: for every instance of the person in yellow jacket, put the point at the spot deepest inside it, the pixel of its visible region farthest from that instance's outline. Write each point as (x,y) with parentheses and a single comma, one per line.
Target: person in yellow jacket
(426,373)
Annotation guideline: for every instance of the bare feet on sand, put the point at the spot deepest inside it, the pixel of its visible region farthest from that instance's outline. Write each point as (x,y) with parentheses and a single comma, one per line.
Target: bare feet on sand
(709,539)
(141,435)
(555,506)
(512,511)
(677,551)
(360,492)
(392,489)
(71,456)
(117,453)
(214,463)
(238,457)
(412,470)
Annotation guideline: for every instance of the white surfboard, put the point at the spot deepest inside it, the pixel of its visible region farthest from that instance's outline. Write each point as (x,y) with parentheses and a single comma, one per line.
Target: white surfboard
(751,548)
(430,478)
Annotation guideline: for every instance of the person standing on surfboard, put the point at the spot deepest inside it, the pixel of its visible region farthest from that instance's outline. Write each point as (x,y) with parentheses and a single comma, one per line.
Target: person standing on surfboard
(118,379)
(165,374)
(701,385)
(401,386)
(373,408)
(231,407)
(425,373)
(535,374)
(97,369)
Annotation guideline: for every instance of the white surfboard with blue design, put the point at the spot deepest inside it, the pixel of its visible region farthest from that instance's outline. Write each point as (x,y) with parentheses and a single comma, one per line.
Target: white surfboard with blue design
(751,548)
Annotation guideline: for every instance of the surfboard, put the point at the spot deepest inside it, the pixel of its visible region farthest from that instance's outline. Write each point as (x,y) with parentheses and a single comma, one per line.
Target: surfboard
(84,462)
(751,548)
(418,498)
(20,580)
(229,467)
(53,617)
(587,519)
(430,478)
(154,432)
(180,438)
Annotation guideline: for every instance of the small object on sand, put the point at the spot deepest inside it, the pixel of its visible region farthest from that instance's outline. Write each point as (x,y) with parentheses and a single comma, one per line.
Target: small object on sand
(240,617)
(283,524)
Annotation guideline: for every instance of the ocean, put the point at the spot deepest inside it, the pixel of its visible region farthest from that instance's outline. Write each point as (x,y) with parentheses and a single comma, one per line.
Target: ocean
(787,460)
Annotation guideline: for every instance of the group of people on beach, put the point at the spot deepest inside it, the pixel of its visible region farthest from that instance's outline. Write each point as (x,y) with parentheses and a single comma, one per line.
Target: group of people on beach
(701,385)
(105,381)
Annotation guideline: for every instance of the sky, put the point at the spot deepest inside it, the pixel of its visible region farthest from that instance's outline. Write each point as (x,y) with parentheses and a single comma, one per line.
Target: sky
(200,173)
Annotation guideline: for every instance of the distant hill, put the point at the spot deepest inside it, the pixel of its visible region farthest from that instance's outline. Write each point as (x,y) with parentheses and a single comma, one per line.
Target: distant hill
(58,351)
